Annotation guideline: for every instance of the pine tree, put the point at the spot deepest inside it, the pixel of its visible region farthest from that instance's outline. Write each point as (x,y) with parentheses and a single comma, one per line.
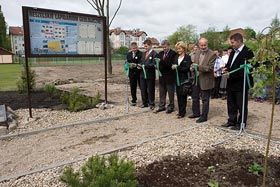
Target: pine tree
(4,39)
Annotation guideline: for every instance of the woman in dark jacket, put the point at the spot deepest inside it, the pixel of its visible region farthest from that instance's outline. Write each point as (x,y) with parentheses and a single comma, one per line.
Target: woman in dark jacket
(182,64)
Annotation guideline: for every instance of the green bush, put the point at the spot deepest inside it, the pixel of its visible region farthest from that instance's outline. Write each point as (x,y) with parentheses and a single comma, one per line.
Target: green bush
(77,102)
(51,90)
(22,83)
(102,172)
(256,169)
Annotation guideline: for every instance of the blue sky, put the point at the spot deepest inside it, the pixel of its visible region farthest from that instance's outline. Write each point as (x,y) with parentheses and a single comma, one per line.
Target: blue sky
(161,18)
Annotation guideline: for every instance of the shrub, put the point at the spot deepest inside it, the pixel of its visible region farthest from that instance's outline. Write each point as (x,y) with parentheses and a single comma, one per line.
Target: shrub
(22,82)
(256,169)
(102,172)
(77,102)
(51,89)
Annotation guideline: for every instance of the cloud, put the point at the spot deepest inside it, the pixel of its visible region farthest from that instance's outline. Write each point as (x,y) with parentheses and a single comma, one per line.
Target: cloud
(162,18)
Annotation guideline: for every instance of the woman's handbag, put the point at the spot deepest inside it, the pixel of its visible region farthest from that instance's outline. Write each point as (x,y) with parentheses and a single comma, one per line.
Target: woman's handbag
(186,86)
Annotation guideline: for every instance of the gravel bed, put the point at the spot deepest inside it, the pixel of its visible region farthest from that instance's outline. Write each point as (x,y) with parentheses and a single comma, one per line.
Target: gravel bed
(44,118)
(191,142)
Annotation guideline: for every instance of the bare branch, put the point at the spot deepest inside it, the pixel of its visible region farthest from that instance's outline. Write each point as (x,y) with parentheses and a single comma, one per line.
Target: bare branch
(120,3)
(92,4)
(100,7)
(95,5)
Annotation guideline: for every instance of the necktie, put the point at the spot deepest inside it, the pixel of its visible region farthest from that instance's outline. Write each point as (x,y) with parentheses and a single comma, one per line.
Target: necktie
(147,54)
(164,55)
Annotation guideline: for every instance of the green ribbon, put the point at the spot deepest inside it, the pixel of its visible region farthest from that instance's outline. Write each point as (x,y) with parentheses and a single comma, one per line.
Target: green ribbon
(143,68)
(177,77)
(247,71)
(157,65)
(196,74)
(126,68)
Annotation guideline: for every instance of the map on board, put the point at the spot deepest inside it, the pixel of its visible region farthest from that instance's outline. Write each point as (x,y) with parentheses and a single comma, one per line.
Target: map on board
(65,33)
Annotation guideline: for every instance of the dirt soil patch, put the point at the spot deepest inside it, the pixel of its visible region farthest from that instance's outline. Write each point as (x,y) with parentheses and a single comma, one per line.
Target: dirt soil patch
(226,167)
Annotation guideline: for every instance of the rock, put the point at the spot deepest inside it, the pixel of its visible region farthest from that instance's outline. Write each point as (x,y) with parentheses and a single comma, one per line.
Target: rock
(3,130)
(12,125)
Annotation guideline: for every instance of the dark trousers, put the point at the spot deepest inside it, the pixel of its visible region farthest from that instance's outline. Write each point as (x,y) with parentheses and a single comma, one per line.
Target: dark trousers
(234,106)
(216,89)
(205,96)
(133,88)
(148,91)
(165,88)
(182,102)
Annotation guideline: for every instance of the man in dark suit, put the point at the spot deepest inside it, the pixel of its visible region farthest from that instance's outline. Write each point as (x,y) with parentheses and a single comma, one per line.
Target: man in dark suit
(147,83)
(204,59)
(167,80)
(235,82)
(134,58)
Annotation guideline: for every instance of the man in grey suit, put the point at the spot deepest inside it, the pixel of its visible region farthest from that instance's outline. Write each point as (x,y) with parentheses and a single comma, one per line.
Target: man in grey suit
(204,61)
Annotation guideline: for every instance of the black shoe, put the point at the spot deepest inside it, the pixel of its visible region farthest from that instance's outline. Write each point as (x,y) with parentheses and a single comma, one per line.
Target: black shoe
(133,104)
(228,124)
(236,128)
(152,107)
(160,110)
(194,116)
(143,106)
(168,111)
(179,116)
(201,119)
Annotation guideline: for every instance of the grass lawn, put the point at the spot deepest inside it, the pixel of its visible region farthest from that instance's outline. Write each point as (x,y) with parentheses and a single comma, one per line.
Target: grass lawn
(9,75)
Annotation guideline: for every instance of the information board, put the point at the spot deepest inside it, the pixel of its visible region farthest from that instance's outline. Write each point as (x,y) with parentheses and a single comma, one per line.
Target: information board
(59,33)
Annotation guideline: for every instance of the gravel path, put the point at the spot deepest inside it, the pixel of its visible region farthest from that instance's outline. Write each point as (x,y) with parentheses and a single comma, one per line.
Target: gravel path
(191,142)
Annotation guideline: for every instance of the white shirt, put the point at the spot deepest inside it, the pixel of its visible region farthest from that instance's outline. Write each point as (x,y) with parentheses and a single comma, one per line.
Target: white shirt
(237,51)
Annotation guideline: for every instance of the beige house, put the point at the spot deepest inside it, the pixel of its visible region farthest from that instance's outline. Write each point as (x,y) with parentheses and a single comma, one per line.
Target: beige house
(120,37)
(17,40)
(6,57)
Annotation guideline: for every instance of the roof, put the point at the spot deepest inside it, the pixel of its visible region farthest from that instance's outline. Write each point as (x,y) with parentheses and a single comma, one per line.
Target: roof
(239,30)
(5,52)
(16,31)
(135,32)
(154,41)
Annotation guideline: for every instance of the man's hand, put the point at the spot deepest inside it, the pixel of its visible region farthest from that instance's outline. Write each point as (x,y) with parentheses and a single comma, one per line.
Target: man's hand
(225,73)
(174,66)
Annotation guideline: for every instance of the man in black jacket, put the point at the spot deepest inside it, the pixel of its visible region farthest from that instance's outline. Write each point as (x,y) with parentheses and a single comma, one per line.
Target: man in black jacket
(134,58)
(167,80)
(235,82)
(148,75)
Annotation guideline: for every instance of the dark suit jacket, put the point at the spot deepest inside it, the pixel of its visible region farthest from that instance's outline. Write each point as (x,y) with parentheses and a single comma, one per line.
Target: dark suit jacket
(134,72)
(168,75)
(149,64)
(184,68)
(235,80)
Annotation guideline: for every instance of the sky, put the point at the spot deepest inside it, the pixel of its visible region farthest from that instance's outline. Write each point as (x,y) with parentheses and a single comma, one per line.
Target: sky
(161,18)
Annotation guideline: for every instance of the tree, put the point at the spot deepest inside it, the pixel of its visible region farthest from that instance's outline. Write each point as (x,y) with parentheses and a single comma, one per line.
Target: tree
(275,23)
(267,59)
(214,38)
(249,33)
(225,33)
(186,34)
(4,39)
(102,9)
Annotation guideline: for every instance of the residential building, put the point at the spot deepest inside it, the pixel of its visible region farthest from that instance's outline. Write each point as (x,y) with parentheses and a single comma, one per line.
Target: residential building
(17,40)
(6,57)
(120,37)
